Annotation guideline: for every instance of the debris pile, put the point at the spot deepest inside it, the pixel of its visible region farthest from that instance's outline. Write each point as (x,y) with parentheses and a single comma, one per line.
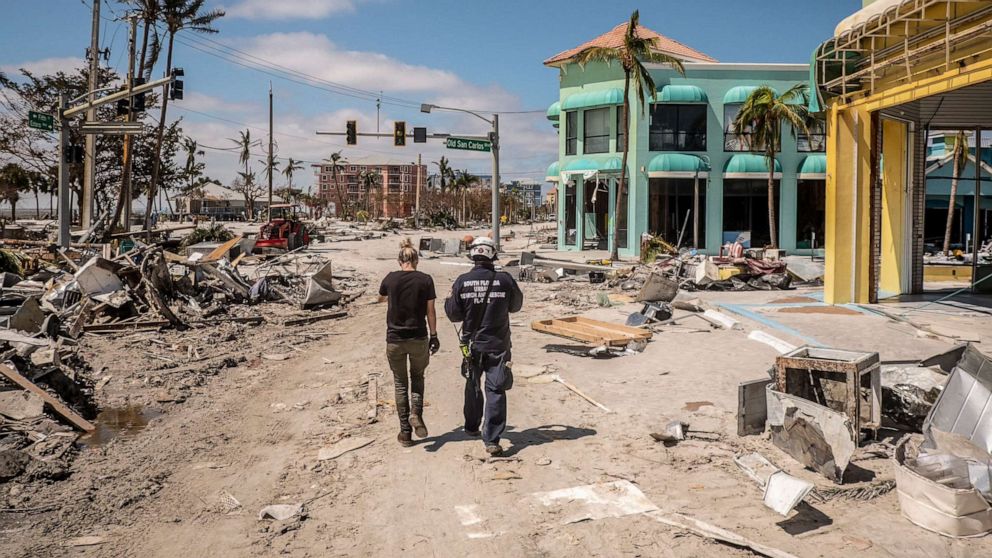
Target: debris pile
(55,303)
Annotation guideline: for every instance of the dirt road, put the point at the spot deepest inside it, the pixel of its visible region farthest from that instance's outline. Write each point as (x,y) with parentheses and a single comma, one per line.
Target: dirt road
(193,482)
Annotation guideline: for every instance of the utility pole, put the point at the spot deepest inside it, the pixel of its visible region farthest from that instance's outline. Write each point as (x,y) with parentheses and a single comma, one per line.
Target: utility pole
(495,185)
(416,210)
(65,209)
(270,150)
(89,161)
(129,140)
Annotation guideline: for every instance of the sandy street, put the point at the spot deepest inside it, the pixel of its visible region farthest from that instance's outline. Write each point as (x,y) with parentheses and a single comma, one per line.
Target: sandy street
(194,480)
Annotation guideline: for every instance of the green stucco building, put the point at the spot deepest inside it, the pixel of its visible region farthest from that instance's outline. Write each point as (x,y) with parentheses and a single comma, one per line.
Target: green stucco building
(685,170)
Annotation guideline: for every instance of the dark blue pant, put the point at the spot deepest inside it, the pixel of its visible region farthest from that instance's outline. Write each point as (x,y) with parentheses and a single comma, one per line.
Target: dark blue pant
(493,406)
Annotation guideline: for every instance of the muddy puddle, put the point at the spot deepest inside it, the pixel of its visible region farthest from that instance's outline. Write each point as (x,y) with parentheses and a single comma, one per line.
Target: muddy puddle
(119,422)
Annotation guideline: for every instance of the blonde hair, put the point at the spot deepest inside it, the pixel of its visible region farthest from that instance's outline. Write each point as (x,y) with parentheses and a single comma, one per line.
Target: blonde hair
(408,254)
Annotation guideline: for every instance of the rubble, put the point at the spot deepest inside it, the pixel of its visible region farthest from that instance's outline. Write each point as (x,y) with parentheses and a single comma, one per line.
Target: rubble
(59,302)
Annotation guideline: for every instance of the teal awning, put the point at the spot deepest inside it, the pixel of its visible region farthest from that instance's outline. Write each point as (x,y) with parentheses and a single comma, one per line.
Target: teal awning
(677,165)
(813,167)
(552,174)
(680,94)
(581,165)
(737,95)
(612,164)
(554,110)
(749,165)
(604,97)
(589,166)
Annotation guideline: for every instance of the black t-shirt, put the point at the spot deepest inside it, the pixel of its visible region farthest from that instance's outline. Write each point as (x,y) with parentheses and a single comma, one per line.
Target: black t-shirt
(408,293)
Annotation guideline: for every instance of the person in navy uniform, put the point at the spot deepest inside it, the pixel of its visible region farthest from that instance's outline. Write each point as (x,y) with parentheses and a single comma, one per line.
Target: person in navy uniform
(482,301)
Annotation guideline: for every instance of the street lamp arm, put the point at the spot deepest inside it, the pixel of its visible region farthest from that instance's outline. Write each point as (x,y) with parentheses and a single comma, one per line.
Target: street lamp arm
(428,107)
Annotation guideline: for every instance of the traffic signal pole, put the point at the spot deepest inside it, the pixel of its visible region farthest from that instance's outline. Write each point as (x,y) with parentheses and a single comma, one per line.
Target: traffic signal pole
(64,115)
(89,163)
(495,185)
(65,209)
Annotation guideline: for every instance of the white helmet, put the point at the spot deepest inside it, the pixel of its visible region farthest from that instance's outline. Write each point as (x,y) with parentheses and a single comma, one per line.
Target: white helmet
(482,249)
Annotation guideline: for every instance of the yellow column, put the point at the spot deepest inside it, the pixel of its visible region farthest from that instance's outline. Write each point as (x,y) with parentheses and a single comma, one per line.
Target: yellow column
(894,187)
(848,176)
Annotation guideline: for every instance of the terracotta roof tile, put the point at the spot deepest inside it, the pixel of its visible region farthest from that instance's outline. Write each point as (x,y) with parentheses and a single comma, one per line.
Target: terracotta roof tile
(614,38)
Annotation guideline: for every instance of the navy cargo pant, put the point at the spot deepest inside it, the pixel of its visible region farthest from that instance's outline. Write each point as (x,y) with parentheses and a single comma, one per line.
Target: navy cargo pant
(491,375)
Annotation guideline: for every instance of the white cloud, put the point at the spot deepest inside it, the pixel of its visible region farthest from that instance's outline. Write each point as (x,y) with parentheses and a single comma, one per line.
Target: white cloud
(207,103)
(45,66)
(316,55)
(289,9)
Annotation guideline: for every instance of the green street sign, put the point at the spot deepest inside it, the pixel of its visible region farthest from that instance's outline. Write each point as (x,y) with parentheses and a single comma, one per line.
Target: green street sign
(41,121)
(468,144)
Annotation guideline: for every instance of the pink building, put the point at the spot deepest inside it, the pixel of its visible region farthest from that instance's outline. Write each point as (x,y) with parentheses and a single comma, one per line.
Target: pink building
(392,196)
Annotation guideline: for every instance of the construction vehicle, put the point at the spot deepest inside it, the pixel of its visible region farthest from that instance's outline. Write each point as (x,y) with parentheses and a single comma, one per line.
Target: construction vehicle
(284,230)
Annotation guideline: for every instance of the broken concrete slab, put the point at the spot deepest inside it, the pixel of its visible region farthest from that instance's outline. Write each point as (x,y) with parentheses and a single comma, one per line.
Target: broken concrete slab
(658,288)
(818,437)
(29,317)
(720,319)
(954,511)
(595,501)
(21,405)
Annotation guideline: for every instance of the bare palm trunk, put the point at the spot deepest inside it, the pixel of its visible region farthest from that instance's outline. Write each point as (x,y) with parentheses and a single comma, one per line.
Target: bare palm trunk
(955,177)
(157,163)
(37,207)
(615,252)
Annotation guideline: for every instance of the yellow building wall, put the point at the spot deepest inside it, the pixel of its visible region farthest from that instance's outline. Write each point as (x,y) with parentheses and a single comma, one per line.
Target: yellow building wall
(848,175)
(847,226)
(894,199)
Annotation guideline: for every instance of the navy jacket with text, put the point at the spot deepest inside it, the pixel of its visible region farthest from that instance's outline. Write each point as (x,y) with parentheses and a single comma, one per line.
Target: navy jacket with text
(466,301)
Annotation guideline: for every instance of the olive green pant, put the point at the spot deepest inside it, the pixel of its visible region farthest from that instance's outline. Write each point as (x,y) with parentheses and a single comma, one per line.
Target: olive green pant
(408,380)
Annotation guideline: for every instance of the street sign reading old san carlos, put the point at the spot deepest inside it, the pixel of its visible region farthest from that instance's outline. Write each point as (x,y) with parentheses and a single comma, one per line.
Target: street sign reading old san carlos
(468,144)
(41,121)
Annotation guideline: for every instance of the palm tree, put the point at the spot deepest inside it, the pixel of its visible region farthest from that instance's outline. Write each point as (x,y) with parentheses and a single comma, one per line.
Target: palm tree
(177,16)
(369,179)
(270,170)
(292,165)
(631,56)
(462,183)
(13,180)
(762,116)
(244,144)
(336,161)
(444,172)
(960,157)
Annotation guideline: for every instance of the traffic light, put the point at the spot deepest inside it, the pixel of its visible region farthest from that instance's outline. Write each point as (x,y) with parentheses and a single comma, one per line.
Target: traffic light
(399,133)
(139,99)
(74,154)
(122,107)
(351,133)
(176,89)
(420,135)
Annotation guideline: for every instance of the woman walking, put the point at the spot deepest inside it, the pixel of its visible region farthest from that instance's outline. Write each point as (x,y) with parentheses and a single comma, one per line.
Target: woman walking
(409,318)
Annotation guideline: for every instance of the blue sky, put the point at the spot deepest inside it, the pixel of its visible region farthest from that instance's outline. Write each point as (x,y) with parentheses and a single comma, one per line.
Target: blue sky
(483,55)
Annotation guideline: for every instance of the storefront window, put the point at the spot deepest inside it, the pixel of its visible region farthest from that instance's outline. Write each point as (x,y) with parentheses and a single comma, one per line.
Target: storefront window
(732,141)
(596,137)
(571,132)
(623,217)
(678,127)
(670,207)
(815,141)
(621,140)
(811,211)
(745,211)
(571,232)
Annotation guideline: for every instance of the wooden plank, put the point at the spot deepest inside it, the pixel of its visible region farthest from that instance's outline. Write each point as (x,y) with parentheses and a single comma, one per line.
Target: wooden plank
(124,326)
(312,319)
(221,250)
(237,260)
(591,331)
(56,405)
